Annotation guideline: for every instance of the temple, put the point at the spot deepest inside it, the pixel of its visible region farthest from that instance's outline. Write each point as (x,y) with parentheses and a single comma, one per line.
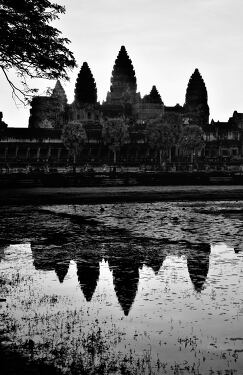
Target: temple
(122,101)
(41,143)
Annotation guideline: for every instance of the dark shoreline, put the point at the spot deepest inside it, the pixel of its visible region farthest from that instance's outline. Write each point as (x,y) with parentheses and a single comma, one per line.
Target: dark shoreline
(102,195)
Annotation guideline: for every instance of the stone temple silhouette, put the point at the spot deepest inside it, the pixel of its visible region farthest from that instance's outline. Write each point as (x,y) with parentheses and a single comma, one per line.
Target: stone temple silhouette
(42,143)
(121,100)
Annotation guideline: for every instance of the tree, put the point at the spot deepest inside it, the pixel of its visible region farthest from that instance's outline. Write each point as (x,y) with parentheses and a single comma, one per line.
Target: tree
(162,134)
(74,138)
(115,134)
(174,121)
(191,140)
(159,138)
(30,45)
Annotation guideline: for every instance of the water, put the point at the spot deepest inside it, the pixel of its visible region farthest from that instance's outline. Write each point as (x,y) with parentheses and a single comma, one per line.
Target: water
(146,288)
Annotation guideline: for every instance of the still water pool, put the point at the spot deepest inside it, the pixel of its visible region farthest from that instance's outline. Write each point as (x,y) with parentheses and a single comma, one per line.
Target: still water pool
(153,288)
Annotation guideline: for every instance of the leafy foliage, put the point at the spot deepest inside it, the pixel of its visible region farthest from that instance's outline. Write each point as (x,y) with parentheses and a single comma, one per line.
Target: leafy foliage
(174,121)
(163,134)
(115,134)
(159,135)
(74,137)
(30,44)
(192,138)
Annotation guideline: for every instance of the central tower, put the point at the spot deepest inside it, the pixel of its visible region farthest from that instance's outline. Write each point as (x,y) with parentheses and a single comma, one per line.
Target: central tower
(123,80)
(196,105)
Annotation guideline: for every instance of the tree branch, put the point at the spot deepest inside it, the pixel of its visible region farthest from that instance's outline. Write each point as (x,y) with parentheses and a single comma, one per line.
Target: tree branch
(15,90)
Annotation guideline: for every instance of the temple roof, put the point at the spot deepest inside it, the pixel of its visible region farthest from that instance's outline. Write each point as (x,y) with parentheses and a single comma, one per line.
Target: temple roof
(85,87)
(59,92)
(196,90)
(123,70)
(154,97)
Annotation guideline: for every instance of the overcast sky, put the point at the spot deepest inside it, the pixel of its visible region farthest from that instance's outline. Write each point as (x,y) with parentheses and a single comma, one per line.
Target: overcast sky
(166,40)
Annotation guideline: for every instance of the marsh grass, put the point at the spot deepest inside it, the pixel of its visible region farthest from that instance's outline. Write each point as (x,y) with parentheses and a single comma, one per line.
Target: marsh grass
(56,338)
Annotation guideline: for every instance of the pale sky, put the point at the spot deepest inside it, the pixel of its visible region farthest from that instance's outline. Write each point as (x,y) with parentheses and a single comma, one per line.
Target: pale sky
(165,39)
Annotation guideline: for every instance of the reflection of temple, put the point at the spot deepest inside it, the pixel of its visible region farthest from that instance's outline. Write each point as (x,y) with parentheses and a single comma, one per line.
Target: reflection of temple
(198,265)
(124,260)
(125,264)
(88,271)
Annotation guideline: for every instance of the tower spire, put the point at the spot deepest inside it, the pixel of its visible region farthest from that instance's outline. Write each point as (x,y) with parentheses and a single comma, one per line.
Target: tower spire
(85,87)
(59,93)
(123,80)
(196,90)
(196,104)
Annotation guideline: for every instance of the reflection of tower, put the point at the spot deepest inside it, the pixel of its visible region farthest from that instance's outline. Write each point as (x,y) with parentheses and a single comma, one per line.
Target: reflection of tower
(155,260)
(88,271)
(125,269)
(198,265)
(51,259)
(61,269)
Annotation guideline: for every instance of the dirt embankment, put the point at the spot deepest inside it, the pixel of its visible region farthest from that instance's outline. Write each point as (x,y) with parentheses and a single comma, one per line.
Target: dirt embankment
(96,195)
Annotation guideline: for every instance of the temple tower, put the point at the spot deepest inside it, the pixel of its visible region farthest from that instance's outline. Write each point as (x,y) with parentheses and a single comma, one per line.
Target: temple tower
(85,87)
(123,80)
(150,107)
(196,105)
(154,96)
(49,111)
(85,106)
(59,93)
